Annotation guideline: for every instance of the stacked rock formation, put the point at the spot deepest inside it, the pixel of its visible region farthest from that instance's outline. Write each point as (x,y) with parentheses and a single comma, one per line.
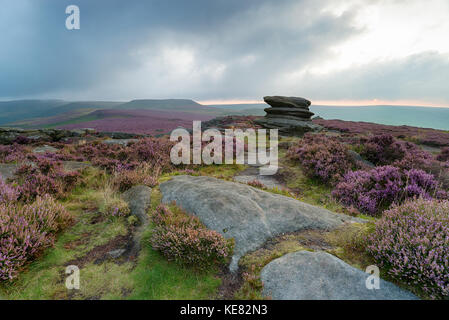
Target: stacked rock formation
(291,115)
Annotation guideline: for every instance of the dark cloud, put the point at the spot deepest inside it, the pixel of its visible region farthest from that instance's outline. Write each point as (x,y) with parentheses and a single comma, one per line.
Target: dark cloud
(201,49)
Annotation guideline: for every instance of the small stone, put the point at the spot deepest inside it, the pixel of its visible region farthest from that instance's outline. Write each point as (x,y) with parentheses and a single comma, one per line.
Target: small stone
(114,254)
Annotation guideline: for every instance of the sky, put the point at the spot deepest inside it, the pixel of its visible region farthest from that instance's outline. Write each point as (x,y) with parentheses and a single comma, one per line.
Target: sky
(338,52)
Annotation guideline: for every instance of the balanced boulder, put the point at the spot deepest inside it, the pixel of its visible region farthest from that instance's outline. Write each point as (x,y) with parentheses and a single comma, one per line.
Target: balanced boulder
(290,115)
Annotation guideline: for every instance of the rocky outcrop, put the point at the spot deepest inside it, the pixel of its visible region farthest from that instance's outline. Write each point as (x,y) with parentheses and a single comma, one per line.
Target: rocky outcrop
(10,135)
(249,215)
(305,275)
(291,115)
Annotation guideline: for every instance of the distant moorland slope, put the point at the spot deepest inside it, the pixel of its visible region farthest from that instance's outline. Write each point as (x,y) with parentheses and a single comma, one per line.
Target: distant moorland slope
(138,116)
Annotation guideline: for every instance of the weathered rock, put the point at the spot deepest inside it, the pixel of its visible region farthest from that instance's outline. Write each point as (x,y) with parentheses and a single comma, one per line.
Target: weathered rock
(139,199)
(120,135)
(123,142)
(249,215)
(358,158)
(7,170)
(44,149)
(290,115)
(305,275)
(9,135)
(287,102)
(300,113)
(114,254)
(289,126)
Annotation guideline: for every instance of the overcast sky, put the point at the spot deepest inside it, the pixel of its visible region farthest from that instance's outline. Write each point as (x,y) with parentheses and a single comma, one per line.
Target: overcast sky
(330,51)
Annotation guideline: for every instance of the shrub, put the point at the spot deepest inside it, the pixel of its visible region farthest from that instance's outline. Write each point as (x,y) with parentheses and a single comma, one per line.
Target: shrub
(12,153)
(26,230)
(8,193)
(375,190)
(256,183)
(322,157)
(47,176)
(112,157)
(412,242)
(144,174)
(431,137)
(184,239)
(386,150)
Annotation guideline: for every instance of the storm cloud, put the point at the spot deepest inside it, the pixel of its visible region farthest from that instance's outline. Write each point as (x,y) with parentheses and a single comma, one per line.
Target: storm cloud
(223,49)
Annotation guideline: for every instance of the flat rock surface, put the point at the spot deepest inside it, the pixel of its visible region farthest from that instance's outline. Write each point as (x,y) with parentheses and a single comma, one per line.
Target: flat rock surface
(45,149)
(287,102)
(253,173)
(123,142)
(7,170)
(249,215)
(305,275)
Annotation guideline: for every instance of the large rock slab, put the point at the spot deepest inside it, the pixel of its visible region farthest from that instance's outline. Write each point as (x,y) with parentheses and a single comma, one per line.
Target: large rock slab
(249,215)
(305,275)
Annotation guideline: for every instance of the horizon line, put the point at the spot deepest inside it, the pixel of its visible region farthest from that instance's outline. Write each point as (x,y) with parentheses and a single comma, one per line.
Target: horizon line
(339,103)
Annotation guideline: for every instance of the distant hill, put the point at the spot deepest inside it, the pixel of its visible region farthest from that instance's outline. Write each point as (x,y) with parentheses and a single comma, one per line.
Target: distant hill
(11,111)
(166,104)
(26,112)
(140,116)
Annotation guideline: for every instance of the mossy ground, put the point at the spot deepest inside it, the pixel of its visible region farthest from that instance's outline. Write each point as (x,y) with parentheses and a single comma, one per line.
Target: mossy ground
(150,276)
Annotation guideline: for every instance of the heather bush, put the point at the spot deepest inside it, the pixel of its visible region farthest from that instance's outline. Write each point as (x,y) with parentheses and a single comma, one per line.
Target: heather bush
(144,174)
(27,229)
(184,239)
(46,176)
(256,183)
(112,157)
(323,157)
(412,242)
(386,150)
(13,153)
(375,190)
(431,137)
(8,193)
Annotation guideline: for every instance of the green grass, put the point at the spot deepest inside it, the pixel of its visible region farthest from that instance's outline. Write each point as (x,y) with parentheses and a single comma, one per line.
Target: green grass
(156,278)
(308,190)
(45,278)
(151,277)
